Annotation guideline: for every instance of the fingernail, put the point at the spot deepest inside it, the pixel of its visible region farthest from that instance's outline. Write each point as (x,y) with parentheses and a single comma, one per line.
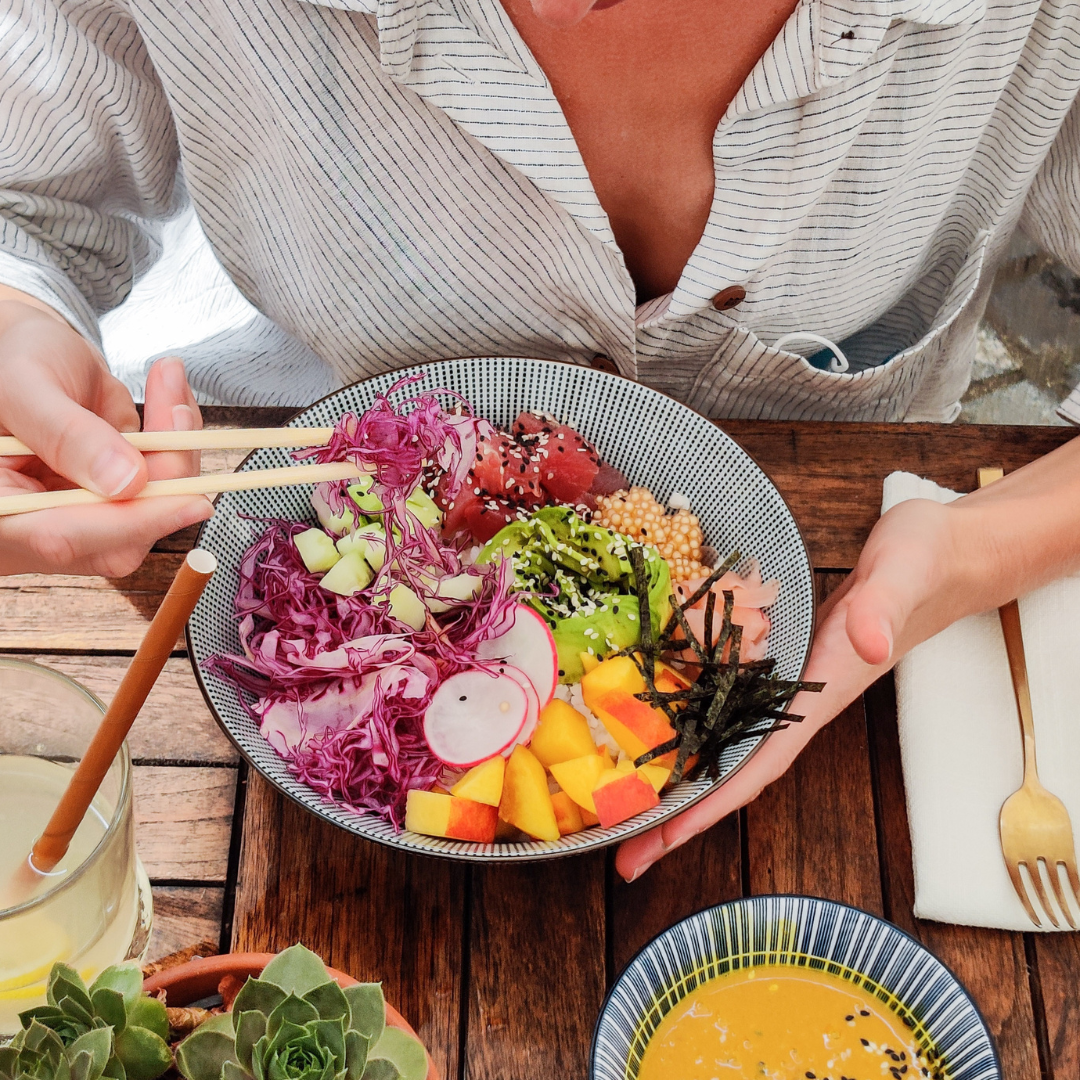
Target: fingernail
(111,473)
(174,378)
(183,418)
(637,873)
(886,633)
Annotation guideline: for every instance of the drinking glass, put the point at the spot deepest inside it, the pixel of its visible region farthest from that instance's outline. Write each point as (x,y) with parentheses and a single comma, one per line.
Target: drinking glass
(94,909)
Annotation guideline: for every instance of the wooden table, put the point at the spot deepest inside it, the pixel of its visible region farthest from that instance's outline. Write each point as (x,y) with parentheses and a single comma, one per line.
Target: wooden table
(503,970)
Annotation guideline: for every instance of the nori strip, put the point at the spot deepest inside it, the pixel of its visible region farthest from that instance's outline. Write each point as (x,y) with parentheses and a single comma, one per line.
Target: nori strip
(729,700)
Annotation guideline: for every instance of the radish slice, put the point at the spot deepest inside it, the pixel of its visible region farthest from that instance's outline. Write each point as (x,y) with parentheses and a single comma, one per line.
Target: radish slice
(533,717)
(473,716)
(528,645)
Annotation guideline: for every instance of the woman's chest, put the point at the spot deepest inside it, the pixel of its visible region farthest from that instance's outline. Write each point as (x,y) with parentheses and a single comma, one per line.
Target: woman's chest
(642,86)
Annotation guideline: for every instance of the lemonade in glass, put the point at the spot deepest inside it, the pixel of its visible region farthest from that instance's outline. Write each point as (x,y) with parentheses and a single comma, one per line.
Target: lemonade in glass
(94,908)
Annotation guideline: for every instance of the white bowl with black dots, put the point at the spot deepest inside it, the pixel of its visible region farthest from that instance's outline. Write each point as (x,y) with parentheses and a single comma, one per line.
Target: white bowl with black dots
(653,439)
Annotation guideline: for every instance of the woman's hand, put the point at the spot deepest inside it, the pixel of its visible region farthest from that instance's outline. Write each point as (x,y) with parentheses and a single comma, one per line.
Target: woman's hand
(57,396)
(924,566)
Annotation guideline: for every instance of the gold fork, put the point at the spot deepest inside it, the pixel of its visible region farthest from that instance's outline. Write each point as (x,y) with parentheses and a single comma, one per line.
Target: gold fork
(1034,824)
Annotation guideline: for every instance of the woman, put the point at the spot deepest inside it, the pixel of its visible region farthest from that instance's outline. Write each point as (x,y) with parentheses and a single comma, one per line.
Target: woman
(666,190)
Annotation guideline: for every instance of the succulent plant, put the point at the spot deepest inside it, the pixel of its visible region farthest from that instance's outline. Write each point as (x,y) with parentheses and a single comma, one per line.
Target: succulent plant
(295,1023)
(39,1053)
(136,1025)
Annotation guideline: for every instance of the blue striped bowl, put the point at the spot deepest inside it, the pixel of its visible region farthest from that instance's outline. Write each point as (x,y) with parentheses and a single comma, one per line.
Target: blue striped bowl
(802,931)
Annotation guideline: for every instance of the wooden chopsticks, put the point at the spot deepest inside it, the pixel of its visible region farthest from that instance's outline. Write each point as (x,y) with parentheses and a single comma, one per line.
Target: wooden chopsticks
(210,484)
(212,439)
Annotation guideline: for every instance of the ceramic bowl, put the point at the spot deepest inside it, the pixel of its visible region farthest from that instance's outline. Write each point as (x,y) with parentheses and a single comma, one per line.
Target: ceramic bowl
(801,931)
(653,439)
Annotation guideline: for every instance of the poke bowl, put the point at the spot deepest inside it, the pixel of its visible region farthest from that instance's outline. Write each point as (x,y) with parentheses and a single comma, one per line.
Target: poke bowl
(663,457)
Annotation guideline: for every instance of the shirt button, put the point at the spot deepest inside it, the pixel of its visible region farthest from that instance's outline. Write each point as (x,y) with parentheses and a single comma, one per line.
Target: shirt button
(728,298)
(604,363)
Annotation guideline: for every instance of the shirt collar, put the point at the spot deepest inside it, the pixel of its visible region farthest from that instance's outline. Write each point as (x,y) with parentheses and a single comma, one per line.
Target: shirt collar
(816,31)
(827,41)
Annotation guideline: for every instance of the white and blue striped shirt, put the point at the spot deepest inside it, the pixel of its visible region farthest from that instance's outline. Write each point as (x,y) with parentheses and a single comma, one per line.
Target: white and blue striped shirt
(393,181)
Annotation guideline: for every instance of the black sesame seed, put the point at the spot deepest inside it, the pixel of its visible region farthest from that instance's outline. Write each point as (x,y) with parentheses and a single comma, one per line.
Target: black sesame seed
(561,673)
(849,1019)
(864,1012)
(865,1042)
(463,698)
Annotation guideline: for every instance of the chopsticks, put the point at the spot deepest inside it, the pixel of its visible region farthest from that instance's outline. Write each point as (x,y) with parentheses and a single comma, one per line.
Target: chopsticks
(189,485)
(210,439)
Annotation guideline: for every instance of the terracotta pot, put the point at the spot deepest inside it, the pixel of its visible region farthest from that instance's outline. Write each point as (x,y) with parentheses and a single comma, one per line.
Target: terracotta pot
(199,978)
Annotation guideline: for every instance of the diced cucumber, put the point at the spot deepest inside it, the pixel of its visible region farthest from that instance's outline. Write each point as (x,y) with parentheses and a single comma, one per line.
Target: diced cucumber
(337,524)
(423,506)
(458,587)
(370,541)
(405,605)
(366,499)
(316,549)
(348,575)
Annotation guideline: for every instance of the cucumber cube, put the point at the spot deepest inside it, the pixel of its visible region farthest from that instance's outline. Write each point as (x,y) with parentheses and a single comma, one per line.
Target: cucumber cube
(316,549)
(348,575)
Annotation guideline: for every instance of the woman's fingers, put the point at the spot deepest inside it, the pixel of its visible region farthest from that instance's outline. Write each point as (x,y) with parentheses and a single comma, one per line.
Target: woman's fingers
(834,661)
(108,539)
(53,388)
(170,406)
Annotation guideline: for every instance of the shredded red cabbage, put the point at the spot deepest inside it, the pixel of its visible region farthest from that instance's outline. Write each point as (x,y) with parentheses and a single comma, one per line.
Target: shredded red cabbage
(339,685)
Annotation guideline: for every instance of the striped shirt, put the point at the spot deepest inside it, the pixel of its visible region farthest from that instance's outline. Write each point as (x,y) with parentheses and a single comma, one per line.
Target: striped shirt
(393,181)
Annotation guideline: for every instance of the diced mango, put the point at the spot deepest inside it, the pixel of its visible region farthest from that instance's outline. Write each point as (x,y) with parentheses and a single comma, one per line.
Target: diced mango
(434,814)
(589,818)
(623,798)
(483,783)
(655,774)
(589,661)
(525,799)
(562,734)
(567,813)
(609,692)
(579,776)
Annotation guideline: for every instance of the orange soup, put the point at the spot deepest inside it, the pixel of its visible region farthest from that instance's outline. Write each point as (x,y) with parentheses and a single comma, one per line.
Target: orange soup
(782,1023)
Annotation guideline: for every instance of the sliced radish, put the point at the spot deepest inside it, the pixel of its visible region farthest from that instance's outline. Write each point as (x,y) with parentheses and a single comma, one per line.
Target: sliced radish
(473,716)
(533,717)
(528,645)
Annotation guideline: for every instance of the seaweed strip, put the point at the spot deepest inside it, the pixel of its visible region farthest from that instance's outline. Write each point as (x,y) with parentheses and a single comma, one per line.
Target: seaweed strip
(711,580)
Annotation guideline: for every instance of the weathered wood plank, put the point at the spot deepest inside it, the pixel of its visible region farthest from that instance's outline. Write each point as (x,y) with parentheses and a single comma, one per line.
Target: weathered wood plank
(831,474)
(813,831)
(183,821)
(89,614)
(183,917)
(1059,962)
(378,914)
(990,963)
(704,871)
(536,968)
(174,724)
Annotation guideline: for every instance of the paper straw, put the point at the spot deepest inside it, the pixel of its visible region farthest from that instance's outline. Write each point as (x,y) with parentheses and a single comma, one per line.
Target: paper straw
(159,642)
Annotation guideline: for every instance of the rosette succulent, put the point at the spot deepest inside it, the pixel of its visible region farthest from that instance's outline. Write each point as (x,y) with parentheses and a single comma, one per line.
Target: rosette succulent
(38,1053)
(113,1011)
(295,1023)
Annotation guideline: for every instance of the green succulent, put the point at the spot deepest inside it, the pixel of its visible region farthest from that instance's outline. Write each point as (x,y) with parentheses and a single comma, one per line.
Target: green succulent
(295,1023)
(37,1052)
(137,1025)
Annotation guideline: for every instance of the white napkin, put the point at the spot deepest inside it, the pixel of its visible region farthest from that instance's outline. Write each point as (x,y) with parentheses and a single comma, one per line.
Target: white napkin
(960,741)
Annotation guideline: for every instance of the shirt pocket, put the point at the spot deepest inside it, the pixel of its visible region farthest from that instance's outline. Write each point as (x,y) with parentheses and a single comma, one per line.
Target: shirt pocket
(747,379)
